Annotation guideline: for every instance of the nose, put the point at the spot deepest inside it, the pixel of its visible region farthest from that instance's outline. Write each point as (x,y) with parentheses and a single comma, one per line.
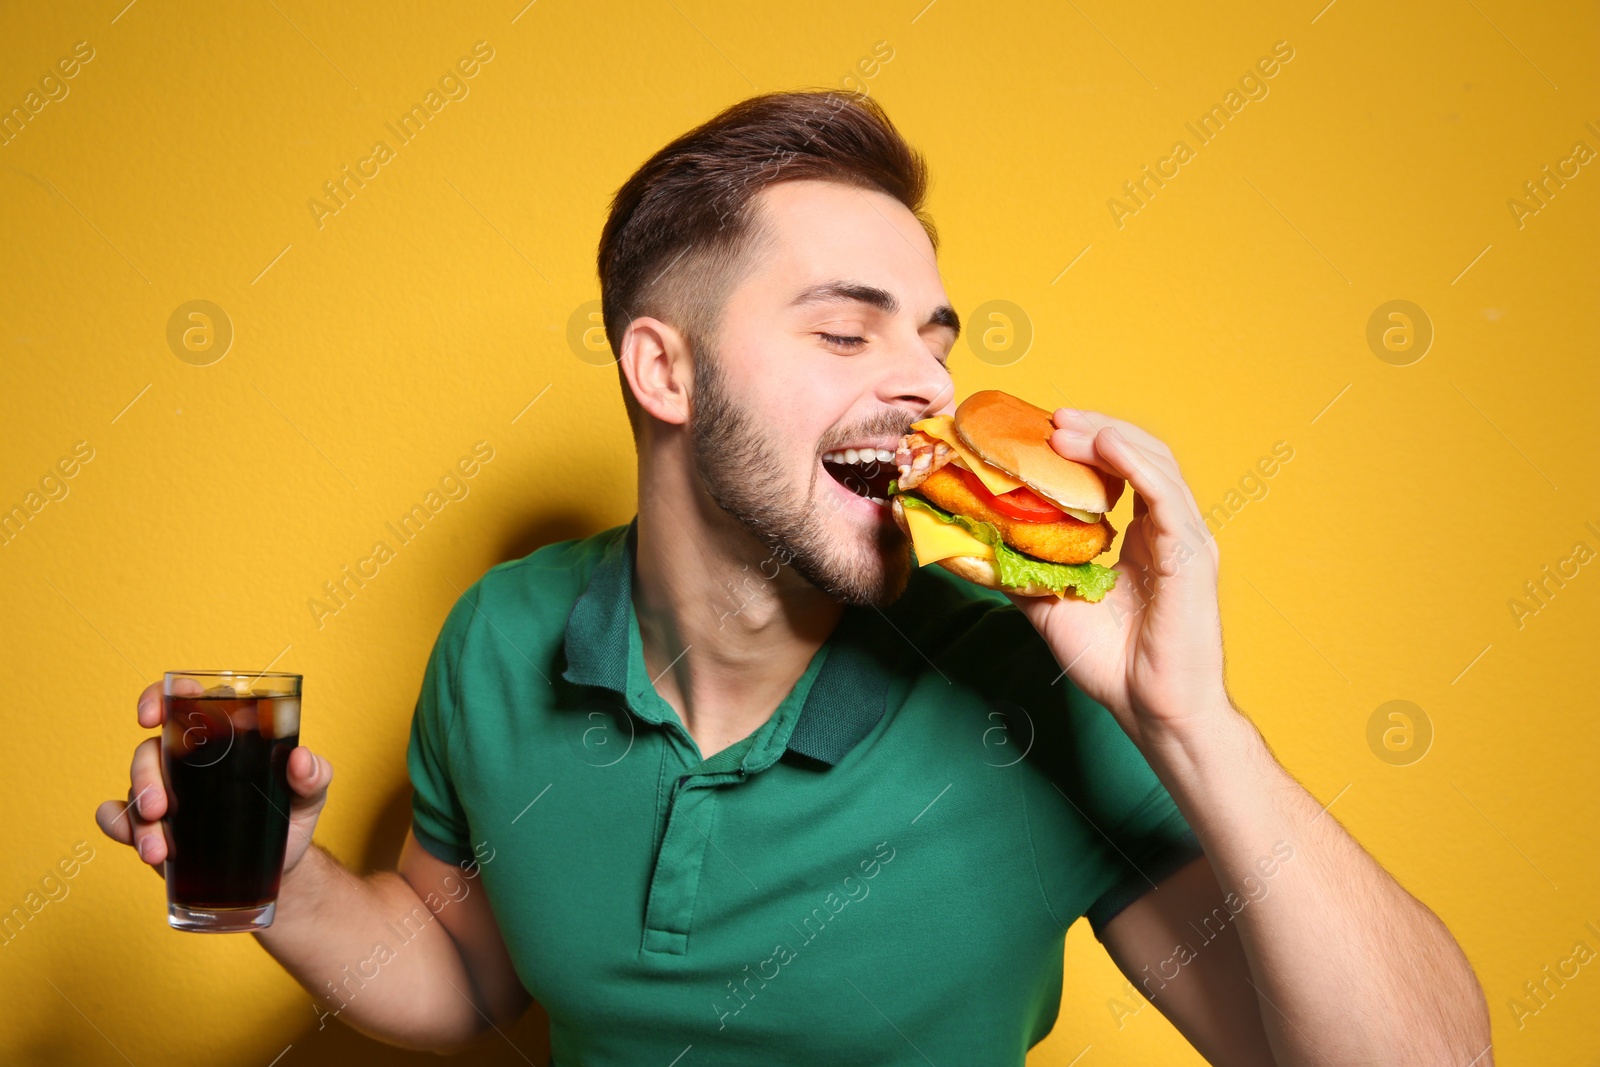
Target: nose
(915,381)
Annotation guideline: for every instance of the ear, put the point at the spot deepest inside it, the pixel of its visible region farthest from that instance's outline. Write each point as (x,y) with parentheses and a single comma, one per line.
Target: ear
(660,368)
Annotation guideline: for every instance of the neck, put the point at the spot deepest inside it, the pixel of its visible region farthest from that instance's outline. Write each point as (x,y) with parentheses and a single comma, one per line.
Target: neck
(726,629)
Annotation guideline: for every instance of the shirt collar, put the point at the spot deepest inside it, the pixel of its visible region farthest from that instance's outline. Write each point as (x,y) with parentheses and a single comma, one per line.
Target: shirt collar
(847,696)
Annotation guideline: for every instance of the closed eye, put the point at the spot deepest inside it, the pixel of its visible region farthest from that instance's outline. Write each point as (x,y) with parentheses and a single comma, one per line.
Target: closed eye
(842,342)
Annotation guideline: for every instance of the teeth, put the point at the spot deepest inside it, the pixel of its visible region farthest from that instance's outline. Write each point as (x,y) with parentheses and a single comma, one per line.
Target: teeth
(862,456)
(877,499)
(859,455)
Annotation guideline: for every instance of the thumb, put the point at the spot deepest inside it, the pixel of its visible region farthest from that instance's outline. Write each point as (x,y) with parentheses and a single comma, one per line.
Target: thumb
(309,775)
(1035,608)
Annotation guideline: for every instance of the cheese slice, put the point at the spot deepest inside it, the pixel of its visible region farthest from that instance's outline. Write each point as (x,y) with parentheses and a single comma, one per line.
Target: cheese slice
(944,428)
(993,478)
(935,540)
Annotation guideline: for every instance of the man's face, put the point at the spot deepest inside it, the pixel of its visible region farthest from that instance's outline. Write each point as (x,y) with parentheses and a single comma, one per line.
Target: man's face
(832,346)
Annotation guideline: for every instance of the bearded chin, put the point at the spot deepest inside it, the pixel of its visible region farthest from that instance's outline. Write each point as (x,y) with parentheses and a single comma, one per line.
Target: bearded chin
(742,471)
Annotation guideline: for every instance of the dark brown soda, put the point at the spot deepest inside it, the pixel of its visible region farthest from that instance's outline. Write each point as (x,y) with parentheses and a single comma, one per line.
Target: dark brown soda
(227,799)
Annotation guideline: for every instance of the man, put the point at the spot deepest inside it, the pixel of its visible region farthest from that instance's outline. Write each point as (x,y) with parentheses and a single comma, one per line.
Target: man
(737,783)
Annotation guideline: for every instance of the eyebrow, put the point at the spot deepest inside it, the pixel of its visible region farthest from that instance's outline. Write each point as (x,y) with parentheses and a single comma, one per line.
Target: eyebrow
(872,296)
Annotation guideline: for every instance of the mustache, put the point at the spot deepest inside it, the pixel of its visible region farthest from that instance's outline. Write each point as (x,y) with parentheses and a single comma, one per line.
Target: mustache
(883,424)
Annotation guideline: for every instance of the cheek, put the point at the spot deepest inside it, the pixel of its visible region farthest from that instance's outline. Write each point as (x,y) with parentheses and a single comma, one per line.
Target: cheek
(792,395)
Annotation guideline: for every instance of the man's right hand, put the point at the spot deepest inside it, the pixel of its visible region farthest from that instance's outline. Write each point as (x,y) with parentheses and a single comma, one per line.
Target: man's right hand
(328,916)
(137,821)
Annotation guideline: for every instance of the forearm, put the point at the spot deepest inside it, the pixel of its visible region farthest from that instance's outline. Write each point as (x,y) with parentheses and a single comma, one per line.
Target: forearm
(1348,966)
(373,955)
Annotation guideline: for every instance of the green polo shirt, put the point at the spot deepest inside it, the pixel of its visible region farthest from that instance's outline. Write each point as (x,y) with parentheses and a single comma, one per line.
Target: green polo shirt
(883,872)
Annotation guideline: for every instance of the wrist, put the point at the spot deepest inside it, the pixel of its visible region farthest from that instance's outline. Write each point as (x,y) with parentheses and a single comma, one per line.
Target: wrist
(299,881)
(1204,749)
(1188,719)
(297,893)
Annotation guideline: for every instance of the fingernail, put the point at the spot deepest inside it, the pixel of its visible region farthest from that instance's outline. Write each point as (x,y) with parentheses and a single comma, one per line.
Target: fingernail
(144,849)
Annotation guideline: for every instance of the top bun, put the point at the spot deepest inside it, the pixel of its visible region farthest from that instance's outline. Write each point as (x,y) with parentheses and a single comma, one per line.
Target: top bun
(1014,436)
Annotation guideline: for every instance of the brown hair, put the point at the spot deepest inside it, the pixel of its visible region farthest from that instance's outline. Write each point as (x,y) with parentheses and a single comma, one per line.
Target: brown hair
(682,228)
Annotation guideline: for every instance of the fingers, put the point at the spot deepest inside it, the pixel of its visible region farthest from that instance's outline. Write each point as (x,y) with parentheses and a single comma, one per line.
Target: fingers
(1163,495)
(118,821)
(148,790)
(1158,494)
(137,822)
(112,818)
(147,802)
(1094,421)
(151,710)
(1079,437)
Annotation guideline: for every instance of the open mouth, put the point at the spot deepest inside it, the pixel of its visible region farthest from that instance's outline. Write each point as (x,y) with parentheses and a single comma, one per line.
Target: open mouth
(866,472)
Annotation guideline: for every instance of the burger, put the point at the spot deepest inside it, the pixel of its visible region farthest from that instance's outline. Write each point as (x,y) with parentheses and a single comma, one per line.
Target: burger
(983,494)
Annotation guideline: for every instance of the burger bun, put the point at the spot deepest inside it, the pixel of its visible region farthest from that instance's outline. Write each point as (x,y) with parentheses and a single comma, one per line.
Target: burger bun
(1014,436)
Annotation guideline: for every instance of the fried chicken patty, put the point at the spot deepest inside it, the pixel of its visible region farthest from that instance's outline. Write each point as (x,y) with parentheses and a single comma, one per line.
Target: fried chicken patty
(1067,541)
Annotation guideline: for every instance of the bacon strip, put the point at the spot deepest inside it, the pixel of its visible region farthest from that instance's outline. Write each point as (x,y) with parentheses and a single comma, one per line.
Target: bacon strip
(919,456)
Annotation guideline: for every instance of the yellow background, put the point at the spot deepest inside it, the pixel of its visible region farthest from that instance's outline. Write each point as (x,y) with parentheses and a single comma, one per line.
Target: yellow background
(371,353)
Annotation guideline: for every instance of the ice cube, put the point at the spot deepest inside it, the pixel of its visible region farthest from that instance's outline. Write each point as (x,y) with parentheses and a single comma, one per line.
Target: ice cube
(220,692)
(284,716)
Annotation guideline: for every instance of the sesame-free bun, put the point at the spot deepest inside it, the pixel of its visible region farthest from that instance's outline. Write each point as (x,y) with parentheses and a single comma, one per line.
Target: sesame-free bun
(1014,436)
(975,569)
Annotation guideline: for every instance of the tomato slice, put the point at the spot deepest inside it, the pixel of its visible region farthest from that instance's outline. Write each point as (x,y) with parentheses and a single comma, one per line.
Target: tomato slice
(1022,503)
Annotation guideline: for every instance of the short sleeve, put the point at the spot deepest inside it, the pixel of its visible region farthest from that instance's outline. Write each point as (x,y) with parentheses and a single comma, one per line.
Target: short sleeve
(437,817)
(1104,829)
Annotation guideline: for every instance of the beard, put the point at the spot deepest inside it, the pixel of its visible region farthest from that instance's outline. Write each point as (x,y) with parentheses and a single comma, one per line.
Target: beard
(741,467)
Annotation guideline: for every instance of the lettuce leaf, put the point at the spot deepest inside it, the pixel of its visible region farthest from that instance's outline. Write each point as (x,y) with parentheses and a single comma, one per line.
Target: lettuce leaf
(1091,580)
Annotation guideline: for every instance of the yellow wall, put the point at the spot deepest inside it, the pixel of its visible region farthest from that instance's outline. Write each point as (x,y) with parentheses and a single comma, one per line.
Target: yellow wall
(374,346)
